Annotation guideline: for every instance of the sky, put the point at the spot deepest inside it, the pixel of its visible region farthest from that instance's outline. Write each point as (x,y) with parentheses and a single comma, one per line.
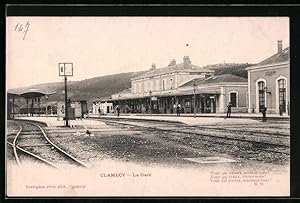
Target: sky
(100,46)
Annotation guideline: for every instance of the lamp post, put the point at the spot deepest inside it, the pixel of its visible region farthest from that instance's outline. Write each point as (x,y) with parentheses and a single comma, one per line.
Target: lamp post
(270,93)
(195,86)
(46,97)
(13,107)
(119,102)
(66,103)
(150,92)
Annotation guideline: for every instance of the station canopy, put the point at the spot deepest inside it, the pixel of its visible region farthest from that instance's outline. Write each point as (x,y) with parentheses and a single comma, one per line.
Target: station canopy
(12,95)
(29,94)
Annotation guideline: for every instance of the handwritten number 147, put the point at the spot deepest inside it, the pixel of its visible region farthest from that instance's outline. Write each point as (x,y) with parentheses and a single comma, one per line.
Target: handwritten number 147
(21,28)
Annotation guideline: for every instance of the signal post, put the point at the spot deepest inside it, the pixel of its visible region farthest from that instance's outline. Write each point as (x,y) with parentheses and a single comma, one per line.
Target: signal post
(66,69)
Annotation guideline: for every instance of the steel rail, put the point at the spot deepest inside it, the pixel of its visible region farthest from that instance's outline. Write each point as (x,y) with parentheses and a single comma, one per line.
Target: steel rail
(175,123)
(15,147)
(31,154)
(208,135)
(59,149)
(37,157)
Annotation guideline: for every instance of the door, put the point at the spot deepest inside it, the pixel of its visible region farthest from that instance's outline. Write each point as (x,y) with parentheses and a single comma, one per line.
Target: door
(261,95)
(213,105)
(233,99)
(282,95)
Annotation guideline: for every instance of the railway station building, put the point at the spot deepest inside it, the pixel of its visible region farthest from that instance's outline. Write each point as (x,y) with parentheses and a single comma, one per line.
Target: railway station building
(196,89)
(268,83)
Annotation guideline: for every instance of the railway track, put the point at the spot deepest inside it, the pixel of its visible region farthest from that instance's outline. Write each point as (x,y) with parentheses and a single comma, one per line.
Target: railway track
(31,141)
(224,136)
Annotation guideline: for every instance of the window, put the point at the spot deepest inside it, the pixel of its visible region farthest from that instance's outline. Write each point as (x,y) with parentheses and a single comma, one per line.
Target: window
(134,88)
(140,87)
(152,85)
(157,85)
(187,103)
(171,83)
(233,99)
(282,94)
(164,84)
(146,86)
(261,95)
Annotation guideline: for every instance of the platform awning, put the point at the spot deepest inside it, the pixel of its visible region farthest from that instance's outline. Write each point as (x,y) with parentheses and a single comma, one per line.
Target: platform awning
(212,91)
(208,90)
(33,93)
(12,95)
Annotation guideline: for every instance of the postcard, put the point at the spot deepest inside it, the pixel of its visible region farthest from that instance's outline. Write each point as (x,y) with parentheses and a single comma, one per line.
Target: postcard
(147,106)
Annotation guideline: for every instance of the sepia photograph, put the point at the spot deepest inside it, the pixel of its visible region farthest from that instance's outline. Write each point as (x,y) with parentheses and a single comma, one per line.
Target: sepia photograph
(147,106)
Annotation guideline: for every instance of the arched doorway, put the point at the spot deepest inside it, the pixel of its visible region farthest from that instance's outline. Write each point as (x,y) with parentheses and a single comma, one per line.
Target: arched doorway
(261,95)
(282,95)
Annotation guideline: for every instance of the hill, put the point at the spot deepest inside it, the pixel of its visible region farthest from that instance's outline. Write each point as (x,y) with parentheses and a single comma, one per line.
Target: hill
(88,89)
(105,86)
(45,87)
(230,68)
(93,88)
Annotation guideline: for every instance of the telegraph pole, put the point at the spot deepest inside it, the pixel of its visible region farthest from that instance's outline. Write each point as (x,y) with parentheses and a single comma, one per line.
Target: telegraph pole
(66,103)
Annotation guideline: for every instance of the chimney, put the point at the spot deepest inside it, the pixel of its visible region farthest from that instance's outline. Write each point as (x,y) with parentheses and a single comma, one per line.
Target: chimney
(186,61)
(279,46)
(172,63)
(153,66)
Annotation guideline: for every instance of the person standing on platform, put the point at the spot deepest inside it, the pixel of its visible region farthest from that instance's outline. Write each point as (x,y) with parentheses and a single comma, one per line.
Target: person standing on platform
(228,110)
(118,110)
(264,112)
(178,110)
(280,109)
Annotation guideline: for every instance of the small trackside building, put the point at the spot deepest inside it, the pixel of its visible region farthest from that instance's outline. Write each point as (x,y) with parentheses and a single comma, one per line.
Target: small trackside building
(269,83)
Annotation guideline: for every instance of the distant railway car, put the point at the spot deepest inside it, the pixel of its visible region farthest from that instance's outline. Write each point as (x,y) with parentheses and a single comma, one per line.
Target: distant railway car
(77,109)
(80,108)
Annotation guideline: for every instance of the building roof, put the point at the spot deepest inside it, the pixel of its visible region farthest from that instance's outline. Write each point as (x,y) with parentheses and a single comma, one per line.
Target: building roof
(173,69)
(225,78)
(12,95)
(179,92)
(125,91)
(280,57)
(31,93)
(100,99)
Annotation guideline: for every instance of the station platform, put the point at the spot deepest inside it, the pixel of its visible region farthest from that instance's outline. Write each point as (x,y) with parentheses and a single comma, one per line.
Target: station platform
(200,119)
(53,122)
(191,118)
(212,115)
(184,119)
